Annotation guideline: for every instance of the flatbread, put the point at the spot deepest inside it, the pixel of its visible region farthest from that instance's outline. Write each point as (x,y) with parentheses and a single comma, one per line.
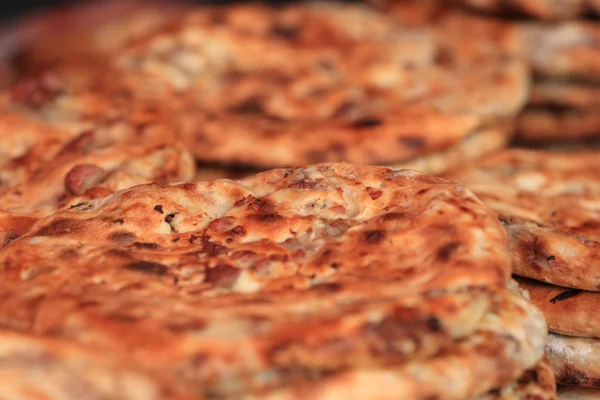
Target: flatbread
(572,95)
(577,393)
(269,278)
(536,383)
(378,95)
(77,175)
(569,50)
(540,125)
(466,369)
(542,9)
(571,312)
(548,204)
(575,361)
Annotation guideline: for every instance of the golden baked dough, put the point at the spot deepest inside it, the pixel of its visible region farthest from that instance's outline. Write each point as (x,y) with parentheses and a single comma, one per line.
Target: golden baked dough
(548,202)
(571,312)
(239,285)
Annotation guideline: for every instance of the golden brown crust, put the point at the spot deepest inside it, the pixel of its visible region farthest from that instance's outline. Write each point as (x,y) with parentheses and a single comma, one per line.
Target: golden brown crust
(571,312)
(547,202)
(509,340)
(575,361)
(316,268)
(535,384)
(540,125)
(577,393)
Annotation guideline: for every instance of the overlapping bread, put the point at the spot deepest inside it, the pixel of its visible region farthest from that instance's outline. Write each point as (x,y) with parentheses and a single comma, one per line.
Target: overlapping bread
(565,59)
(568,311)
(548,204)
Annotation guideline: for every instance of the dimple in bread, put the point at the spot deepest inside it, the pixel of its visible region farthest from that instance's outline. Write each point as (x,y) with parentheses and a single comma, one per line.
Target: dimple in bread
(287,273)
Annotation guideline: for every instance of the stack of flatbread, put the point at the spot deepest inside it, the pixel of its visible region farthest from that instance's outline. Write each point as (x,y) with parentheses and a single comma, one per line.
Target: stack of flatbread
(566,94)
(320,267)
(562,38)
(549,204)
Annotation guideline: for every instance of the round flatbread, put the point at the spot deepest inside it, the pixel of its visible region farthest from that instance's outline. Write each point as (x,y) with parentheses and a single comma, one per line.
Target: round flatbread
(509,337)
(268,278)
(542,9)
(548,203)
(375,95)
(536,383)
(577,393)
(575,361)
(571,312)
(547,125)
